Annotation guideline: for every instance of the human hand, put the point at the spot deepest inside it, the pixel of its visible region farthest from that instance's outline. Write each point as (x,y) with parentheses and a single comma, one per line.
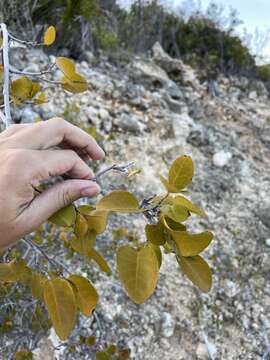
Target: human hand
(29,155)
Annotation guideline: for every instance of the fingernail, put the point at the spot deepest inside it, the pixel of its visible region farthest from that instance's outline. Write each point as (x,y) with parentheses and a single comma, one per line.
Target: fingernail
(101,152)
(91,191)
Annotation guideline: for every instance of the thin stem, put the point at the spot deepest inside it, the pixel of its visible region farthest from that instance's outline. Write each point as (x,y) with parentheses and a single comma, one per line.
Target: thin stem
(6,74)
(28,73)
(114,167)
(2,116)
(43,253)
(24,42)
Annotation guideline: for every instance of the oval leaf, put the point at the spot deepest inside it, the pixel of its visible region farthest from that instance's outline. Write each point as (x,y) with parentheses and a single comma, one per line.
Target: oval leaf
(37,285)
(171,224)
(86,295)
(67,66)
(97,221)
(81,226)
(176,212)
(138,271)
(155,234)
(86,209)
(49,36)
(15,270)
(169,187)
(181,200)
(75,83)
(21,88)
(181,172)
(60,302)
(158,254)
(102,263)
(64,217)
(83,244)
(191,244)
(198,271)
(119,201)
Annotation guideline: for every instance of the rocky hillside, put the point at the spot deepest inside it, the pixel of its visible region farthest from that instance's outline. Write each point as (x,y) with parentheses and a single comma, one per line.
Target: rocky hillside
(150,110)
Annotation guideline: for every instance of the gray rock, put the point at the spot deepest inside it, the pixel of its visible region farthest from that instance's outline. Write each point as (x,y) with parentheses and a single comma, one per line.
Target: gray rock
(267,242)
(174,105)
(175,68)
(221,158)
(26,115)
(182,125)
(174,92)
(92,113)
(129,122)
(167,325)
(231,288)
(202,352)
(149,73)
(104,114)
(253,95)
(89,57)
(264,216)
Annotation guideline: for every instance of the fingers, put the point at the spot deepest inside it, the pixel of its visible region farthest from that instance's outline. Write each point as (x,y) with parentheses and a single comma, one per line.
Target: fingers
(58,162)
(57,197)
(54,132)
(13,129)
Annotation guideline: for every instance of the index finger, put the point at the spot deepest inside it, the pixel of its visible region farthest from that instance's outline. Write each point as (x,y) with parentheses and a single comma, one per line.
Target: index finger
(54,132)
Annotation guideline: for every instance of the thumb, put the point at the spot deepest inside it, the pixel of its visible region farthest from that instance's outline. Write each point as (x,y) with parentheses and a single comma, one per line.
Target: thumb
(57,197)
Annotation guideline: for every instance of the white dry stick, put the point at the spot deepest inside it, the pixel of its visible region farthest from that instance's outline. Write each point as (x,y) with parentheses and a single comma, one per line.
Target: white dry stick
(5,48)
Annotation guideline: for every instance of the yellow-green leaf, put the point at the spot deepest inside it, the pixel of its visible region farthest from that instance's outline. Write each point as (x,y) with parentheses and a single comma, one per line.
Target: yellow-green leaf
(181,200)
(81,226)
(83,244)
(138,271)
(37,285)
(97,221)
(171,224)
(49,36)
(169,187)
(40,99)
(198,271)
(176,212)
(15,270)
(119,201)
(191,244)
(60,302)
(86,295)
(64,217)
(181,172)
(67,66)
(102,263)
(158,254)
(21,88)
(35,89)
(155,234)
(75,83)
(102,355)
(86,209)
(23,354)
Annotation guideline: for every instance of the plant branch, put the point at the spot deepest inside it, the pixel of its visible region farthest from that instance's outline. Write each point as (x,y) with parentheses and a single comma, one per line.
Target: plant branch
(28,73)
(43,253)
(2,116)
(5,57)
(114,167)
(24,42)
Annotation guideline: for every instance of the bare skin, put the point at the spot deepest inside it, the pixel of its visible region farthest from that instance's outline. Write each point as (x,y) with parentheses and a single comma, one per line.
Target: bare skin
(29,155)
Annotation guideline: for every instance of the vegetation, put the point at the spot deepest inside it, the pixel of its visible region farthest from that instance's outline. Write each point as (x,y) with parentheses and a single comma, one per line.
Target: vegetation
(48,286)
(200,40)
